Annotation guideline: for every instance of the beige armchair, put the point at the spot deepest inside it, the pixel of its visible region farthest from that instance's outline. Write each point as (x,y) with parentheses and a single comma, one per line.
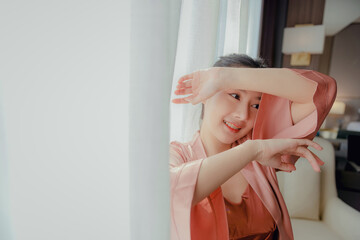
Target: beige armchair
(316,211)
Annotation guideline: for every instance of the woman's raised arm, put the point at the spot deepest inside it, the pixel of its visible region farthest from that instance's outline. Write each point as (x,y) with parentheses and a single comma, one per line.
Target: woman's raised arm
(281,82)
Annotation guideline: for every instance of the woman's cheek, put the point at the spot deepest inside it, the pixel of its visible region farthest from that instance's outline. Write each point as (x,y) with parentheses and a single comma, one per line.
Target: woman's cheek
(253,116)
(253,113)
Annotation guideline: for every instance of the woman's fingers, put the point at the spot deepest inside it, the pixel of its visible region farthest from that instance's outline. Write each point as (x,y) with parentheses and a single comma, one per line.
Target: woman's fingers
(305,153)
(318,160)
(183,91)
(180,101)
(190,99)
(316,146)
(187,84)
(286,147)
(312,160)
(287,167)
(186,77)
(311,144)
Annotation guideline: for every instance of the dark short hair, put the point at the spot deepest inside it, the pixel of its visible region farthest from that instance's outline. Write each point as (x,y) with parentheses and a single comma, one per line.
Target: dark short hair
(237,60)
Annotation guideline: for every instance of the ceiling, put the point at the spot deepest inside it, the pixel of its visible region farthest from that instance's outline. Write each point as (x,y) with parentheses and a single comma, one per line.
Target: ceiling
(338,14)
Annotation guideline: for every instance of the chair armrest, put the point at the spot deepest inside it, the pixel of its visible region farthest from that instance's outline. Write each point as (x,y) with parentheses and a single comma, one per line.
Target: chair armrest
(355,166)
(342,218)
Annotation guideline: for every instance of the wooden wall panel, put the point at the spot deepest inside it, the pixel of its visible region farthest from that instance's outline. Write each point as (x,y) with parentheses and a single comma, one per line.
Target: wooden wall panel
(325,58)
(305,11)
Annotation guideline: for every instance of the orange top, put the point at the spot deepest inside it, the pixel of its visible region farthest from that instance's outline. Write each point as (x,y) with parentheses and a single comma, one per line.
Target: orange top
(249,219)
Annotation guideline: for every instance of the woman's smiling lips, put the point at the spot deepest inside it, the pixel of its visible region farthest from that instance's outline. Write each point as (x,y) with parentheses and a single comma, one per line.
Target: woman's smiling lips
(232,127)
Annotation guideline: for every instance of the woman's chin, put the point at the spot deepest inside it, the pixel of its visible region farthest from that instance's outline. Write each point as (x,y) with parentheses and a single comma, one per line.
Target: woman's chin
(238,138)
(229,140)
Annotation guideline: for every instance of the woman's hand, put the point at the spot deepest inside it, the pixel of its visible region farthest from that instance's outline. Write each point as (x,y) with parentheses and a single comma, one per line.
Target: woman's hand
(274,152)
(200,85)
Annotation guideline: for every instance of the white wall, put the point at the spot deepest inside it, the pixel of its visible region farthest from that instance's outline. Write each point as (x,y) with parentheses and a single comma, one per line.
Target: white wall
(345,61)
(65,119)
(345,68)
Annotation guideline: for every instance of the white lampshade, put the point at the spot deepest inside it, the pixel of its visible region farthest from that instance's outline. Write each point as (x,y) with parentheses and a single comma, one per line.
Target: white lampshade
(338,108)
(309,39)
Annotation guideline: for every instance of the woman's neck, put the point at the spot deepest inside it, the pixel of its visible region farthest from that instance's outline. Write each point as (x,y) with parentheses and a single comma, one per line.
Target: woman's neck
(211,144)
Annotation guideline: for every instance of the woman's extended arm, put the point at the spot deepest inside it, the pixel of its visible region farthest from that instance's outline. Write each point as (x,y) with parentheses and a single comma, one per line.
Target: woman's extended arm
(280,82)
(217,169)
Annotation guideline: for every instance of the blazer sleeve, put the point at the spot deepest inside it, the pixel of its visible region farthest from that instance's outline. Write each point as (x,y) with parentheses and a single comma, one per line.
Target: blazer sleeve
(274,115)
(183,177)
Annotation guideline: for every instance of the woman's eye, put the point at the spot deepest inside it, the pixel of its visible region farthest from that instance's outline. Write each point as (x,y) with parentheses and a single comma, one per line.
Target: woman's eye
(235,95)
(255,106)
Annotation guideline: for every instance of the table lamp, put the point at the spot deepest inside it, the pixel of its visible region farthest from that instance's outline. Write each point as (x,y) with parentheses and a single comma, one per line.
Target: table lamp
(301,41)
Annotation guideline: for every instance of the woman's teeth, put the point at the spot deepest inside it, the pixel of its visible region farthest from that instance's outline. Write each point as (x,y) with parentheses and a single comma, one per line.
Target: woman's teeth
(231,125)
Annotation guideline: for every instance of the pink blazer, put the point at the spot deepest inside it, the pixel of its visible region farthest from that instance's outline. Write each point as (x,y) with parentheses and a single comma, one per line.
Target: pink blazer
(207,219)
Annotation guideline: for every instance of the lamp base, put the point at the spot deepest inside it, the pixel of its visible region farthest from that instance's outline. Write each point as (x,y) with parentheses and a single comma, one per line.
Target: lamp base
(300,59)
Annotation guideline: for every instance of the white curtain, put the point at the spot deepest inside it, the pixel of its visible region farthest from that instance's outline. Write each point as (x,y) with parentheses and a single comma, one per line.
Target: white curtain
(195,49)
(5,225)
(84,118)
(209,30)
(64,119)
(84,158)
(154,31)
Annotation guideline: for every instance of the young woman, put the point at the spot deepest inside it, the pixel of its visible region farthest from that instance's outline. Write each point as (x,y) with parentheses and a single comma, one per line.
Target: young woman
(256,120)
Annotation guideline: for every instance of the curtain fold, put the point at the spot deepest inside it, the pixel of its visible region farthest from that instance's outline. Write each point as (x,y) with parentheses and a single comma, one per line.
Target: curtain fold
(154,29)
(196,49)
(209,30)
(5,225)
(254,28)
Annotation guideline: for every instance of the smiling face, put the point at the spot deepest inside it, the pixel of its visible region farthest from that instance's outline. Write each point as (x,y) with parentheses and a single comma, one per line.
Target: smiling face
(230,115)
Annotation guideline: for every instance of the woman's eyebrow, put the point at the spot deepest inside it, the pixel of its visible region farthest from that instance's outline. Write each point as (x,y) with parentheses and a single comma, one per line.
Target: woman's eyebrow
(237,90)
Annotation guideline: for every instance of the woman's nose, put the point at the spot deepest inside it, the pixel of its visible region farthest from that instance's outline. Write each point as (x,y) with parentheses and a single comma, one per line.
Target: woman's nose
(242,112)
